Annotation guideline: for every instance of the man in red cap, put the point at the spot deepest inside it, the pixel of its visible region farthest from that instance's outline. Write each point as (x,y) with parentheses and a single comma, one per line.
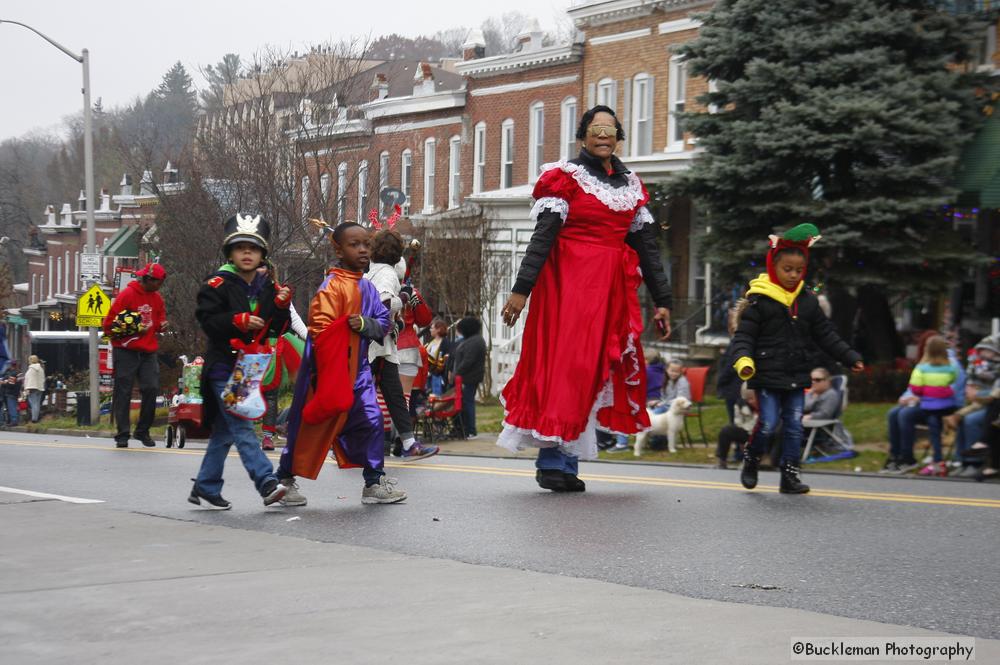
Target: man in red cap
(135,352)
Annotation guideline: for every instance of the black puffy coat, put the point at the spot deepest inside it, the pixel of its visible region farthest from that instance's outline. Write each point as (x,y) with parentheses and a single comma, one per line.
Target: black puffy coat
(777,338)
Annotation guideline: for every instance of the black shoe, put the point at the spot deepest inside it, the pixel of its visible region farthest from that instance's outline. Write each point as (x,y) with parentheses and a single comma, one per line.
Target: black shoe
(573,484)
(145,439)
(397,447)
(121,443)
(790,483)
(550,479)
(273,492)
(215,501)
(748,472)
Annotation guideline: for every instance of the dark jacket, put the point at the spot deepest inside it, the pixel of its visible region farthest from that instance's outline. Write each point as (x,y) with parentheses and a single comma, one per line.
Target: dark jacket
(776,338)
(643,241)
(221,299)
(728,384)
(470,360)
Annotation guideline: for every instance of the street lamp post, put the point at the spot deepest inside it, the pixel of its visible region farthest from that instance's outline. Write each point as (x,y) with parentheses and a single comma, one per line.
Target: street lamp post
(88,175)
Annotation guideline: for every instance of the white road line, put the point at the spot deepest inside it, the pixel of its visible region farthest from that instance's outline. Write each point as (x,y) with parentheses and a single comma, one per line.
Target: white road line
(43,495)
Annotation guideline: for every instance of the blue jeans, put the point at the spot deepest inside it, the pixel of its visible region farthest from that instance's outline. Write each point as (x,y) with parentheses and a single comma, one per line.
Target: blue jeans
(437,384)
(934,424)
(553,459)
(784,406)
(971,428)
(35,402)
(903,421)
(227,430)
(11,403)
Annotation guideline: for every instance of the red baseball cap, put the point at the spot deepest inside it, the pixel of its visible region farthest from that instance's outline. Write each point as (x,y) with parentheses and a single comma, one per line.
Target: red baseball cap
(153,271)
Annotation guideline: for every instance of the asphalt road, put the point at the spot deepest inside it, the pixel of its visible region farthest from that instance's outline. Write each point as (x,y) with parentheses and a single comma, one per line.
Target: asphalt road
(907,552)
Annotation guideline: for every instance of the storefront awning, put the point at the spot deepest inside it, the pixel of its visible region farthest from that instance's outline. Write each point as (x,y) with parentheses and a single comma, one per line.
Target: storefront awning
(979,170)
(124,243)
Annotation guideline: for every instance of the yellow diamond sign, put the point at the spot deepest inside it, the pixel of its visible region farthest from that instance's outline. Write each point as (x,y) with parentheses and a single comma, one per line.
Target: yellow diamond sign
(92,307)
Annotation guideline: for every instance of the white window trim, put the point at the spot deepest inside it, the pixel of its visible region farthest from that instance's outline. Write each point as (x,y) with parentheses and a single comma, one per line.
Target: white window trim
(383,177)
(676,65)
(305,196)
(430,174)
(341,192)
(567,129)
(478,157)
(637,81)
(362,186)
(324,191)
(454,170)
(612,99)
(406,184)
(536,139)
(506,152)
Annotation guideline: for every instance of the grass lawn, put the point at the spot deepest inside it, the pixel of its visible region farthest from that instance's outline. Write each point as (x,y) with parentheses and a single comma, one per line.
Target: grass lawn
(865,420)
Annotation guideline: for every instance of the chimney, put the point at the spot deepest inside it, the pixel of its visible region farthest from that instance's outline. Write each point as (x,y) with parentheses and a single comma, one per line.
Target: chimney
(126,185)
(82,201)
(380,88)
(50,216)
(531,38)
(67,215)
(423,80)
(105,201)
(146,184)
(474,46)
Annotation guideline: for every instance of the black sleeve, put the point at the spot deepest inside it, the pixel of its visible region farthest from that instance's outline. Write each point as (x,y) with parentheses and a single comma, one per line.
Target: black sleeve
(372,330)
(213,314)
(826,337)
(745,339)
(546,229)
(644,243)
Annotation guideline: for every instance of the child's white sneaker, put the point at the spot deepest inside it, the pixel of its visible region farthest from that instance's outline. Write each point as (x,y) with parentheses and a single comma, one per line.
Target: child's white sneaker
(384,492)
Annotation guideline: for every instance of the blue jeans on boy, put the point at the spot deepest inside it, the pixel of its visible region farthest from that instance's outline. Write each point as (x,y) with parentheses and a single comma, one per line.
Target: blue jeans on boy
(553,459)
(903,421)
(784,406)
(11,403)
(227,430)
(970,429)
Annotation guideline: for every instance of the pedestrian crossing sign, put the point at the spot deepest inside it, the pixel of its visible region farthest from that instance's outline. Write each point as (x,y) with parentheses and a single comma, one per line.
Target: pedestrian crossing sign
(92,307)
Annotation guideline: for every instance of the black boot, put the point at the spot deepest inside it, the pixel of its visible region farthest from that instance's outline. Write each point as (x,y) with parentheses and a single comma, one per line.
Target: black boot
(790,483)
(551,479)
(748,472)
(573,484)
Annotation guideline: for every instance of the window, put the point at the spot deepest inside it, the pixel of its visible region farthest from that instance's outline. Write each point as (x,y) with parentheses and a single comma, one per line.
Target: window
(536,140)
(567,130)
(607,90)
(324,189)
(341,191)
(362,191)
(506,153)
(305,196)
(430,156)
(642,115)
(454,170)
(383,179)
(406,178)
(678,95)
(479,158)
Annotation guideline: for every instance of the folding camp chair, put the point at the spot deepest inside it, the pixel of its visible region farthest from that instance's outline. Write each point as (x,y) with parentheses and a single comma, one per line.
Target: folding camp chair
(438,418)
(696,377)
(833,427)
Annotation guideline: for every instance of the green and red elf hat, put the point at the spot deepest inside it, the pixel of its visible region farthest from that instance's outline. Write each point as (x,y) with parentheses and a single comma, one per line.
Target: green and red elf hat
(800,237)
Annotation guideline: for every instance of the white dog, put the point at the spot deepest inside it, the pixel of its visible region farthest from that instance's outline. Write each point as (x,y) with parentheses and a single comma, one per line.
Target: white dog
(669,424)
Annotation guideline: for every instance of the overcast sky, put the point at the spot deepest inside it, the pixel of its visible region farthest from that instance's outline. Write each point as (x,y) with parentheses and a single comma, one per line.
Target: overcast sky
(132,44)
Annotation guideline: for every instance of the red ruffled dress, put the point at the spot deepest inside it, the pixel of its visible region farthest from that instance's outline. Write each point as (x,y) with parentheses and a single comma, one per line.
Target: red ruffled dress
(581,363)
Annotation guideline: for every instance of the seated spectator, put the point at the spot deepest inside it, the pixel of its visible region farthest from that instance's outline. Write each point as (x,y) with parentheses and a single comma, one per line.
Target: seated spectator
(822,401)
(970,421)
(656,376)
(675,385)
(902,421)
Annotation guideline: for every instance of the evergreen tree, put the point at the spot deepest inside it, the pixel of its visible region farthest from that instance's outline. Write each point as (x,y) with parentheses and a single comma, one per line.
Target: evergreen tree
(218,77)
(177,85)
(850,114)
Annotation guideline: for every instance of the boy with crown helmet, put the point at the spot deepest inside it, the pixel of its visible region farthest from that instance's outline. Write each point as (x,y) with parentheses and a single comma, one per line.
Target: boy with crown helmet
(778,319)
(237,305)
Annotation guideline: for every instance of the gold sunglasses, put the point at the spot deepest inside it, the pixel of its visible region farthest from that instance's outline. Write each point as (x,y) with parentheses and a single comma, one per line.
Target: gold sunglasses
(603,131)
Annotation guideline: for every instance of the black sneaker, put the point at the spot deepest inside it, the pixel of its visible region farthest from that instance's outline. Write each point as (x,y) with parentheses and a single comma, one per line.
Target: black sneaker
(551,479)
(273,492)
(146,440)
(573,484)
(397,447)
(215,501)
(121,443)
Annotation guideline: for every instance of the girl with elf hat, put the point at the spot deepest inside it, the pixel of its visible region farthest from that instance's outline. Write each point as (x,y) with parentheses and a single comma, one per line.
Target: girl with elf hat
(778,319)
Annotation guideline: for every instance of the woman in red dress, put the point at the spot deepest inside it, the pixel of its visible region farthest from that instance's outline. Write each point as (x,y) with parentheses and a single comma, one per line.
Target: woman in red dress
(581,363)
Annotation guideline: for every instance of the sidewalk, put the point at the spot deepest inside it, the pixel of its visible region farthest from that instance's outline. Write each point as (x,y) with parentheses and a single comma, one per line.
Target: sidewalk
(90,583)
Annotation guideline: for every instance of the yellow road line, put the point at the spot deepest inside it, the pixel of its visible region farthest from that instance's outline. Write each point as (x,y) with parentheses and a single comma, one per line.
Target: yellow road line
(967,502)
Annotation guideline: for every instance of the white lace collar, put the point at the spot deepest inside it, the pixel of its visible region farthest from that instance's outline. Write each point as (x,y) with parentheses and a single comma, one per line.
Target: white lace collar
(619,199)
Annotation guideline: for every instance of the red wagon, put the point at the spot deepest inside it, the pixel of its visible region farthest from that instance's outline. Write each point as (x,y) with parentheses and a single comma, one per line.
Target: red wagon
(184,420)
